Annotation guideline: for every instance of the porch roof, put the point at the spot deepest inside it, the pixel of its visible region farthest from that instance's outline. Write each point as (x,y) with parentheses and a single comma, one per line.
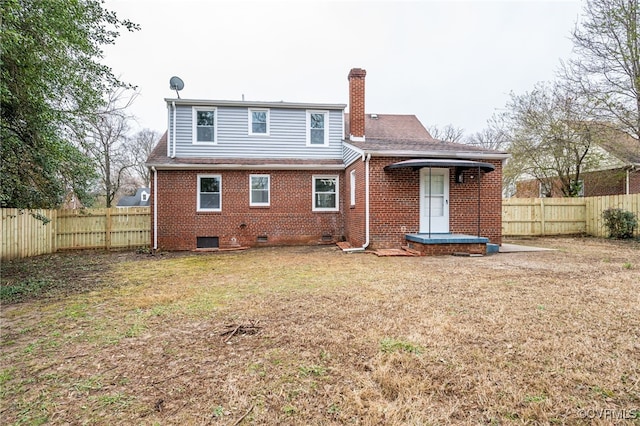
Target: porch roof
(418,163)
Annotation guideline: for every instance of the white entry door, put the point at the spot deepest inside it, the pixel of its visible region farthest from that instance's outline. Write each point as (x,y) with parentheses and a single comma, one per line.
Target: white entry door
(434,200)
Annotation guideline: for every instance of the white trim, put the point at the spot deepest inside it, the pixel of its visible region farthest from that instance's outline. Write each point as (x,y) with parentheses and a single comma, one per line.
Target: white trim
(226,166)
(256,104)
(326,127)
(198,208)
(352,187)
(251,202)
(313,192)
(173,139)
(250,115)
(194,125)
(168,130)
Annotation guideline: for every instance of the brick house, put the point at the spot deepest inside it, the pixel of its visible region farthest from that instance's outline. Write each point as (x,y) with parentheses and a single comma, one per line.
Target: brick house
(618,171)
(243,173)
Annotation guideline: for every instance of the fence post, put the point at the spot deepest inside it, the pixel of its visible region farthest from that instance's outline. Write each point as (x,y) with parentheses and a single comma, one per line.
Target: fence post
(107,240)
(542,214)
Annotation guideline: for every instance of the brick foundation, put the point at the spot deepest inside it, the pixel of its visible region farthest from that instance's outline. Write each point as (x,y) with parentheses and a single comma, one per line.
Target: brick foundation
(447,249)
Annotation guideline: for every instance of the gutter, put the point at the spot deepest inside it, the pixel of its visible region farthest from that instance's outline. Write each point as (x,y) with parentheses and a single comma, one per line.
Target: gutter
(227,166)
(366,208)
(468,155)
(628,181)
(155,209)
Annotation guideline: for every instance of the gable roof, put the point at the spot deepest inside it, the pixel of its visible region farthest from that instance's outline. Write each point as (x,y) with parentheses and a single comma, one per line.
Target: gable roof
(391,127)
(620,145)
(135,200)
(405,136)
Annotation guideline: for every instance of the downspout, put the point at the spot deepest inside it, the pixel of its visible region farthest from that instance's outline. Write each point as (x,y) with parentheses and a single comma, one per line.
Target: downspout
(155,209)
(627,191)
(366,208)
(173,130)
(479,202)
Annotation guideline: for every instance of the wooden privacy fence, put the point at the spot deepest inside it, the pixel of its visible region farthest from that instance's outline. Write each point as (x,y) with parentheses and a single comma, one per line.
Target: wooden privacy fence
(562,216)
(28,233)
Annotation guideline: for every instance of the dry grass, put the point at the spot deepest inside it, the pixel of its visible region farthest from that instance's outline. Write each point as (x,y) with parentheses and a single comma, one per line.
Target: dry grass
(522,338)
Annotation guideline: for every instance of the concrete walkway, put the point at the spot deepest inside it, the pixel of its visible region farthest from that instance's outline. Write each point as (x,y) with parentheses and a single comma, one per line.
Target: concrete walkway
(516,248)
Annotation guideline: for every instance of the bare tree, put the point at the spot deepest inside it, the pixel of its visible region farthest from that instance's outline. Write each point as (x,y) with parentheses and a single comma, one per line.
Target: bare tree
(607,67)
(105,142)
(551,139)
(448,133)
(494,136)
(139,147)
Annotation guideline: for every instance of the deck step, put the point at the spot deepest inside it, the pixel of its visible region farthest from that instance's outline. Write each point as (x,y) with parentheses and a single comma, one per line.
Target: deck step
(492,248)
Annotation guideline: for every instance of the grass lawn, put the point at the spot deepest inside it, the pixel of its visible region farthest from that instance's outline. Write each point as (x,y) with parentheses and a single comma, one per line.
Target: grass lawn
(313,336)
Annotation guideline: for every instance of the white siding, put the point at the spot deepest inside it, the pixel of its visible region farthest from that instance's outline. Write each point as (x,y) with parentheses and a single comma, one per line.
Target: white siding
(349,155)
(287,138)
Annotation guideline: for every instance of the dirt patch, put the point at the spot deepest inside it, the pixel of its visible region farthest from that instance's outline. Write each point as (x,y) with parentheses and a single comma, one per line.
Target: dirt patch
(323,337)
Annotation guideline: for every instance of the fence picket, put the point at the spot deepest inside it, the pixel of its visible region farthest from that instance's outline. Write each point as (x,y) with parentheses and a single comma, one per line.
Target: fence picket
(24,234)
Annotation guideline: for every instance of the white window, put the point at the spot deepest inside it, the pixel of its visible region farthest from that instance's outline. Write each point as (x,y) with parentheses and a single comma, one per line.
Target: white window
(258,121)
(259,187)
(209,193)
(325,193)
(205,122)
(144,196)
(317,128)
(352,187)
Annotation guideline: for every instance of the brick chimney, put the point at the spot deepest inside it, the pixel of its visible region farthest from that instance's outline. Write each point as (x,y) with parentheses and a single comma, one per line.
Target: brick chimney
(356,104)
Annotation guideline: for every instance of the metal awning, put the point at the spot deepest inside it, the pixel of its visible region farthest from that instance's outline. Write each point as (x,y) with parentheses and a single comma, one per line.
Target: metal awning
(419,163)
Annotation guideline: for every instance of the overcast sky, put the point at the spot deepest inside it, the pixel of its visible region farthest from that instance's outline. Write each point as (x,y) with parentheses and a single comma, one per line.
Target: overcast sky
(447,62)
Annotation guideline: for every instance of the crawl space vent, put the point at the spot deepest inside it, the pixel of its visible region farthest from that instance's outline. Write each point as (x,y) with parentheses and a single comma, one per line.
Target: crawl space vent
(207,242)
(262,238)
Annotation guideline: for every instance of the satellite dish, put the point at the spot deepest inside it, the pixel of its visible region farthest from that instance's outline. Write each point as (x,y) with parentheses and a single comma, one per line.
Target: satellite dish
(176,83)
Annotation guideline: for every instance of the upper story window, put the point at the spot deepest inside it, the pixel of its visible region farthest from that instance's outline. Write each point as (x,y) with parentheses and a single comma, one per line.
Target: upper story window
(209,193)
(258,121)
(259,190)
(325,193)
(317,128)
(204,125)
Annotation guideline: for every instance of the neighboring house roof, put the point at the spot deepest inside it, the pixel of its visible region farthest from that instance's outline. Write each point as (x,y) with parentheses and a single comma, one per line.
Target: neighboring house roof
(141,199)
(405,136)
(621,146)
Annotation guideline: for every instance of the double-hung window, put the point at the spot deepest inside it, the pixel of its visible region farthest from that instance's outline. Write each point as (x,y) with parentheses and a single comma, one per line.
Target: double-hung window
(259,187)
(317,128)
(204,125)
(325,193)
(209,193)
(258,121)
